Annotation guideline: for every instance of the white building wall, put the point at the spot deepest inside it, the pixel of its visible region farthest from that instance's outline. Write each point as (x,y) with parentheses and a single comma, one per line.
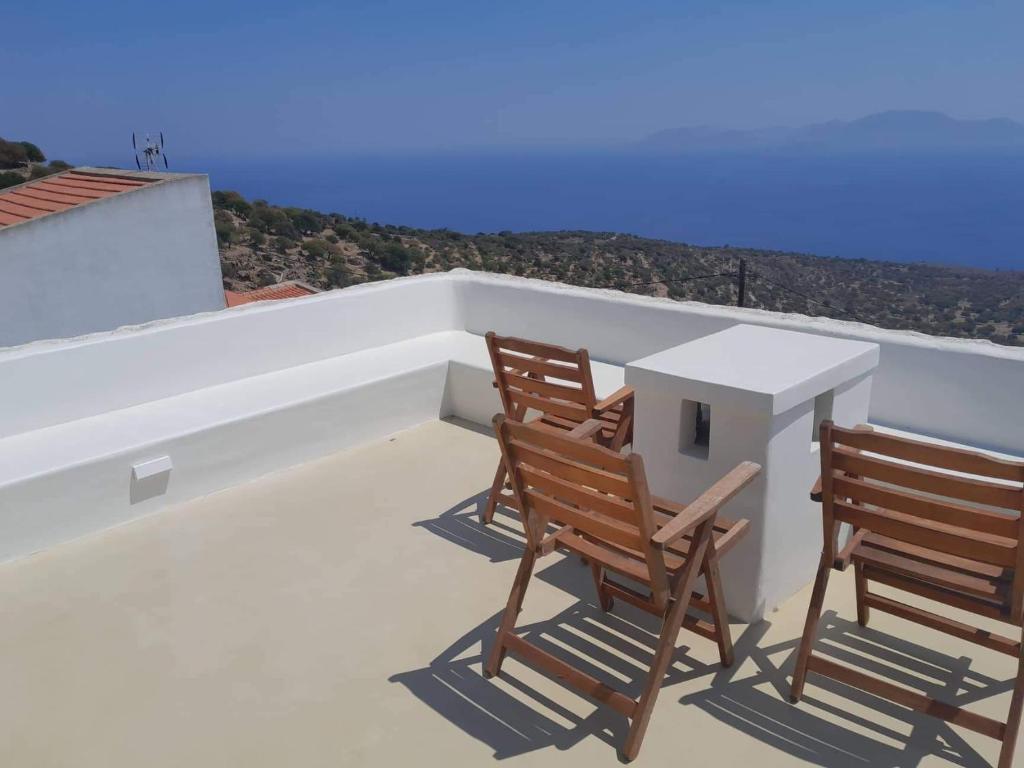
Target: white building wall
(137,256)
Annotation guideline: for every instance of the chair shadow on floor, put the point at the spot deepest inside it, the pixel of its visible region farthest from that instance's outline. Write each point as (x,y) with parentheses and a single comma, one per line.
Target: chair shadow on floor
(513,718)
(500,541)
(822,732)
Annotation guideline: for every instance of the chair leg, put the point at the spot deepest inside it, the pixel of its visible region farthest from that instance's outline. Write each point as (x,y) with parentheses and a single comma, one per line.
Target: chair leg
(718,611)
(666,643)
(810,628)
(1013,720)
(512,608)
(492,501)
(603,598)
(861,585)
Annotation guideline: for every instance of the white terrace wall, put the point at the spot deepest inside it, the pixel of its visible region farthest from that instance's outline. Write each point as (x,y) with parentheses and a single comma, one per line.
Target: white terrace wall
(957,389)
(130,258)
(52,382)
(960,390)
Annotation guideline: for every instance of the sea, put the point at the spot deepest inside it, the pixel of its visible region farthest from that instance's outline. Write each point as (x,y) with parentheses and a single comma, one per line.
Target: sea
(959,209)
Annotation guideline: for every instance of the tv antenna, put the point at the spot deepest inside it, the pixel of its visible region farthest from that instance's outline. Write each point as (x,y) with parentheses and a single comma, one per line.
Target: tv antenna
(152,153)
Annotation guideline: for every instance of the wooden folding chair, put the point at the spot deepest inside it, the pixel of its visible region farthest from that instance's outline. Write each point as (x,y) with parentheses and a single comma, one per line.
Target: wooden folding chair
(556,383)
(938,522)
(600,503)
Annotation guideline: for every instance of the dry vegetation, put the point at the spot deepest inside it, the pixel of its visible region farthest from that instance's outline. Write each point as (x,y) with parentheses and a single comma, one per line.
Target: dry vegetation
(263,244)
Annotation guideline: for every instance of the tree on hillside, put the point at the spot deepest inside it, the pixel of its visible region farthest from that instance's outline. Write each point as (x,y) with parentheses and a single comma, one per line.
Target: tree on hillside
(32,152)
(12,154)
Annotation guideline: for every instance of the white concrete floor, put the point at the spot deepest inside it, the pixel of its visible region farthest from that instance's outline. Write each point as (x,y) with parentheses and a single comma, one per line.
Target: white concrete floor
(334,614)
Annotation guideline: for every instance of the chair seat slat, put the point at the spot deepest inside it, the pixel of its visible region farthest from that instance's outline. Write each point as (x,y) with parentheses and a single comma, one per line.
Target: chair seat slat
(975,584)
(996,550)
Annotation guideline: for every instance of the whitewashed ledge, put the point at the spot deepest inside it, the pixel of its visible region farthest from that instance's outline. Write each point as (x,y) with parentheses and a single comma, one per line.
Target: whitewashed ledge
(231,395)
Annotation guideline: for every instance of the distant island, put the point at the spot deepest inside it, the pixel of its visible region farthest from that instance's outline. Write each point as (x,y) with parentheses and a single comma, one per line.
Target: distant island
(262,244)
(897,130)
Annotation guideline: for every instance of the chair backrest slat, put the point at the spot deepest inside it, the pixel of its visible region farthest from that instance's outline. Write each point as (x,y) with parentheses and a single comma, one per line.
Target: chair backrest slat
(576,472)
(571,411)
(928,507)
(922,479)
(586,521)
(571,449)
(601,494)
(545,388)
(542,377)
(541,367)
(580,495)
(930,454)
(951,501)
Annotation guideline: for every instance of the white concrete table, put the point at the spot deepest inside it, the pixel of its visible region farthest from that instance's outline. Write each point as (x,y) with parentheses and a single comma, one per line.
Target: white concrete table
(765,392)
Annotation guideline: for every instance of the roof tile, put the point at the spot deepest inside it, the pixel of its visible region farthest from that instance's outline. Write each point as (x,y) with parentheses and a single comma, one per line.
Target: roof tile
(289,290)
(59,192)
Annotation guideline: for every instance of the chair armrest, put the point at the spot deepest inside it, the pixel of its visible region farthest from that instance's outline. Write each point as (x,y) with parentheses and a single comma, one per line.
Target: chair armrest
(816,490)
(586,430)
(616,398)
(706,505)
(842,560)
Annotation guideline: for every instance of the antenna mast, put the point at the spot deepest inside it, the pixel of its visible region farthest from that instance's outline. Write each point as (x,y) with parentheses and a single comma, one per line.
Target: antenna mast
(152,153)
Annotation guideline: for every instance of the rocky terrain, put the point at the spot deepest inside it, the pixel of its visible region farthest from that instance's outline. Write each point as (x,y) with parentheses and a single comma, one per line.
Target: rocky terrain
(263,244)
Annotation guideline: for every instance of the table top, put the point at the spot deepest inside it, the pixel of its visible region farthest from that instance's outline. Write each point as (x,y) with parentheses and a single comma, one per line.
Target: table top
(775,368)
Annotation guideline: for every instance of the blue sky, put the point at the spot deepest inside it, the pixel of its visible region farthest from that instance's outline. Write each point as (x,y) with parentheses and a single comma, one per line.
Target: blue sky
(341,77)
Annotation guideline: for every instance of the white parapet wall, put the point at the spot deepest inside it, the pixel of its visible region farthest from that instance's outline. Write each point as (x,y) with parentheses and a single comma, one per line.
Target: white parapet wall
(226,396)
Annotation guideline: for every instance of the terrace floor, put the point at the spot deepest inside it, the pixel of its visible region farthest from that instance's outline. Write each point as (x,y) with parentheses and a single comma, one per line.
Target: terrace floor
(334,613)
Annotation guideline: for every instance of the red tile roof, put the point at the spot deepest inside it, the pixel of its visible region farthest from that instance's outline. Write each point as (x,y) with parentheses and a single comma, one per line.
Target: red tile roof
(60,192)
(289,290)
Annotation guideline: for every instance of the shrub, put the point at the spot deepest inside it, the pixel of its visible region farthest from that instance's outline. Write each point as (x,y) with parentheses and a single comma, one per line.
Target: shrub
(12,154)
(305,221)
(32,152)
(393,257)
(339,275)
(316,248)
(10,178)
(233,201)
(40,171)
(227,232)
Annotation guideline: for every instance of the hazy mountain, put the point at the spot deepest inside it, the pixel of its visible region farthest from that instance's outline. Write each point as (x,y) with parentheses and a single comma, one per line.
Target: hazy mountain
(895,130)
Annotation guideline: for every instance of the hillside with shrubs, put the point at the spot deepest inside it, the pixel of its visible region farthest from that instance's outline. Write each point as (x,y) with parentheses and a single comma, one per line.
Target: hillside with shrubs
(262,244)
(22,161)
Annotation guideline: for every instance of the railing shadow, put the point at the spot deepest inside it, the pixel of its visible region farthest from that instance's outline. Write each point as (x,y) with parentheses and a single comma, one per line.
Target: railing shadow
(500,541)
